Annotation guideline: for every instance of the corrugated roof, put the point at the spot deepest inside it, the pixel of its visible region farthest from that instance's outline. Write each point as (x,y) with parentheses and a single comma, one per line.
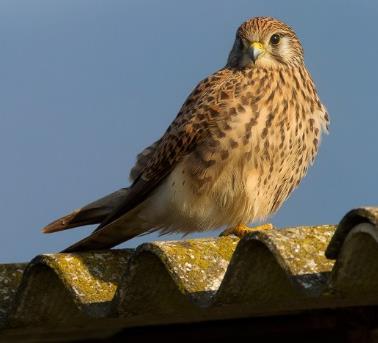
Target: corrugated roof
(59,297)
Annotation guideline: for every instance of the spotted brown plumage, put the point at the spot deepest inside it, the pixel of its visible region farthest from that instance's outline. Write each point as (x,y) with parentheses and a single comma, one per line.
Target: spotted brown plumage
(240,144)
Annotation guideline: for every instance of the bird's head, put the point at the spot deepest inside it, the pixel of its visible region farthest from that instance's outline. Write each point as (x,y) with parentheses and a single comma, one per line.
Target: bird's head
(265,42)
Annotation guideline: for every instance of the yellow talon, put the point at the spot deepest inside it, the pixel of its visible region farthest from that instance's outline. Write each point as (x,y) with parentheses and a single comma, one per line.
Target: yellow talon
(241,230)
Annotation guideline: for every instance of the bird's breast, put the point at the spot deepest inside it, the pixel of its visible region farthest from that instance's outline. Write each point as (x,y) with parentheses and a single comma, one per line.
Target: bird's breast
(252,159)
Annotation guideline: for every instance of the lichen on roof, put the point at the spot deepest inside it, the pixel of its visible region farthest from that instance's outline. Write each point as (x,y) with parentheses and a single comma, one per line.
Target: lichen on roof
(264,273)
(86,282)
(197,265)
(277,266)
(91,277)
(10,278)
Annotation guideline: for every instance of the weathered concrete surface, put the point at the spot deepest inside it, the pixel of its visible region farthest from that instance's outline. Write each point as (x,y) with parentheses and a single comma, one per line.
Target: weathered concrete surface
(10,278)
(273,269)
(349,221)
(97,294)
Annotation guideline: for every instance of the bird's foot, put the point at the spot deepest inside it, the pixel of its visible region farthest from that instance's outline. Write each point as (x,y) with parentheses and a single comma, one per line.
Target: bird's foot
(242,230)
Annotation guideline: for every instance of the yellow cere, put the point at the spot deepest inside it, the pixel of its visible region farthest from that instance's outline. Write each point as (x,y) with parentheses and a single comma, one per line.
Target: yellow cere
(257,45)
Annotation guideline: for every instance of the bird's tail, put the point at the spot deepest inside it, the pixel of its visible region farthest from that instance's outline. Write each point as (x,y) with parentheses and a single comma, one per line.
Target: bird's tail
(93,213)
(112,234)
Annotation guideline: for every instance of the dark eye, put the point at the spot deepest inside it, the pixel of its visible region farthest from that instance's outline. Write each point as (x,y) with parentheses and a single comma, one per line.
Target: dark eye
(275,39)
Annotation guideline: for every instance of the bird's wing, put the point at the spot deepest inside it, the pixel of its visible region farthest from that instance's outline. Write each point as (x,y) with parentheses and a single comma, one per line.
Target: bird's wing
(142,160)
(191,126)
(187,131)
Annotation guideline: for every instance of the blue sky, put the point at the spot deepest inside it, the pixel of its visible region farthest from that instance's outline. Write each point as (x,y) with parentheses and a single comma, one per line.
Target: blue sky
(86,84)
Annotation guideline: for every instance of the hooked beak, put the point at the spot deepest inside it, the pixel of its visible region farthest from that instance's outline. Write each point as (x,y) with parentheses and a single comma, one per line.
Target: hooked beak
(255,50)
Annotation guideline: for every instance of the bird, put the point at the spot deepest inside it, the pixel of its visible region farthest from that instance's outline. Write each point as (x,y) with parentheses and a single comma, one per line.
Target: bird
(240,144)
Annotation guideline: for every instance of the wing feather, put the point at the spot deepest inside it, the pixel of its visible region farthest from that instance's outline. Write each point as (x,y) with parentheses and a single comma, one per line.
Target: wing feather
(190,127)
(200,113)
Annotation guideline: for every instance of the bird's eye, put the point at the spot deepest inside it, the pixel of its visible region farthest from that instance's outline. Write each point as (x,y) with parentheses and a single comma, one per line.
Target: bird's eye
(275,39)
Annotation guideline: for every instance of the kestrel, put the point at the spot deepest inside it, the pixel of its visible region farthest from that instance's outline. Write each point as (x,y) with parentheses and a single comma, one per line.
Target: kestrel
(240,144)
